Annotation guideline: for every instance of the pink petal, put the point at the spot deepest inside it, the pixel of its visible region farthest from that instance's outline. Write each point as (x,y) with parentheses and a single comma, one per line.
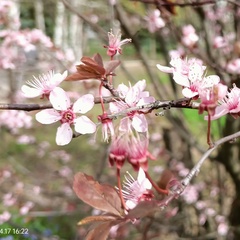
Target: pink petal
(125,124)
(222,91)
(130,204)
(188,93)
(144,94)
(139,123)
(219,112)
(48,116)
(141,85)
(118,106)
(181,79)
(146,100)
(211,80)
(84,125)
(122,89)
(64,134)
(31,92)
(132,96)
(58,78)
(165,69)
(84,104)
(59,99)
(141,176)
(146,184)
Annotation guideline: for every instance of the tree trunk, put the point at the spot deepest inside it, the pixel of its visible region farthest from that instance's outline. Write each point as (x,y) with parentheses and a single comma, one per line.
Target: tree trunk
(59,23)
(39,15)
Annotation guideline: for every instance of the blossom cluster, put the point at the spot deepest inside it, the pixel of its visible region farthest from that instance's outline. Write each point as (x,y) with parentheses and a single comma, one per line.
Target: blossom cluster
(17,45)
(63,110)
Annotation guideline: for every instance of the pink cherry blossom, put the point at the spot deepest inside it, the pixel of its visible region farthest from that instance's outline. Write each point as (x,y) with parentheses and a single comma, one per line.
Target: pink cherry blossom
(134,96)
(130,146)
(119,149)
(230,104)
(138,152)
(191,194)
(220,42)
(37,36)
(187,73)
(26,208)
(115,43)
(210,92)
(189,38)
(107,127)
(4,217)
(233,66)
(14,120)
(154,21)
(223,227)
(43,85)
(66,113)
(138,190)
(177,53)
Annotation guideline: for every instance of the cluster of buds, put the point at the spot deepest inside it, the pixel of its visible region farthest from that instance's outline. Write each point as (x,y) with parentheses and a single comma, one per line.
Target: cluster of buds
(130,147)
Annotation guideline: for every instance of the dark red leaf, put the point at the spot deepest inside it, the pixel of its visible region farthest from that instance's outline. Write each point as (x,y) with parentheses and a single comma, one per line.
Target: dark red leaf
(143,209)
(98,59)
(99,196)
(111,66)
(99,218)
(88,69)
(100,231)
(166,176)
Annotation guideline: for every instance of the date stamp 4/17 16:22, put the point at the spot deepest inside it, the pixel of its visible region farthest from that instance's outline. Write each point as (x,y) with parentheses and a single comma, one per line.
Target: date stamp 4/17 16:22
(13,231)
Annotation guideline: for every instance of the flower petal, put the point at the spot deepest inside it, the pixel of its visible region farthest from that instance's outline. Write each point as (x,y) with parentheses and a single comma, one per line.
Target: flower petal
(181,79)
(31,92)
(84,125)
(122,89)
(146,100)
(139,123)
(64,134)
(141,176)
(188,93)
(130,204)
(143,181)
(132,96)
(164,69)
(58,78)
(125,124)
(59,99)
(219,112)
(48,116)
(141,85)
(84,104)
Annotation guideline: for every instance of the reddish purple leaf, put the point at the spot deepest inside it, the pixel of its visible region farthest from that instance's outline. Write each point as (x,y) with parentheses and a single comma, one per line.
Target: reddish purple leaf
(111,66)
(98,59)
(100,231)
(166,176)
(143,209)
(88,69)
(98,218)
(99,196)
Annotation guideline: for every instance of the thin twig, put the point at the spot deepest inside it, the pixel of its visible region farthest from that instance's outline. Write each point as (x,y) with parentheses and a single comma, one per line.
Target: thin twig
(180,103)
(197,167)
(183,4)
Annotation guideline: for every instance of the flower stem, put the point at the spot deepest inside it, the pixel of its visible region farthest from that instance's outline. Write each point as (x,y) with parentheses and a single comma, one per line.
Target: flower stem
(101,97)
(120,189)
(158,189)
(209,141)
